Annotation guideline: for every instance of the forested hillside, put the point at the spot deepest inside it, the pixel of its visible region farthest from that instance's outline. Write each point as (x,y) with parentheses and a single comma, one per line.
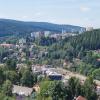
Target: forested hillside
(9,27)
(88,40)
(73,45)
(84,47)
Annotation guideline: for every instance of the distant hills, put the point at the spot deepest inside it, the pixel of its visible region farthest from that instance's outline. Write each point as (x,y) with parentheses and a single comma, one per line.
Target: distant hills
(10,27)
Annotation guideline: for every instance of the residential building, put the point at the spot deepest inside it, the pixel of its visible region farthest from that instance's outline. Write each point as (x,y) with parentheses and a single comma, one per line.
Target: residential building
(56,36)
(5,45)
(39,34)
(54,76)
(22,41)
(47,33)
(89,28)
(33,34)
(20,90)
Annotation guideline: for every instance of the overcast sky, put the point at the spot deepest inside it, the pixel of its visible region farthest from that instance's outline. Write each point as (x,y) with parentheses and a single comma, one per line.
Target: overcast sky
(76,12)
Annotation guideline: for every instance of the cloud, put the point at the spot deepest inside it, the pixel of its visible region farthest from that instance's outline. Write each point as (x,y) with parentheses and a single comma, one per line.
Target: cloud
(85,9)
(24,17)
(38,14)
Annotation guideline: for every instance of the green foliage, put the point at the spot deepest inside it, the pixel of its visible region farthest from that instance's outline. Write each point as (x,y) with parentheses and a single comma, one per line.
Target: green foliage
(3,53)
(4,97)
(96,74)
(11,64)
(45,41)
(74,87)
(89,89)
(57,90)
(28,79)
(1,75)
(44,90)
(7,88)
(11,75)
(88,40)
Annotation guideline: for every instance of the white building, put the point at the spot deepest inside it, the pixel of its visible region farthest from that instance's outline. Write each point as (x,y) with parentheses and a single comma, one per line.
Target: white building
(56,36)
(22,41)
(65,35)
(47,33)
(38,34)
(89,28)
(20,90)
(33,34)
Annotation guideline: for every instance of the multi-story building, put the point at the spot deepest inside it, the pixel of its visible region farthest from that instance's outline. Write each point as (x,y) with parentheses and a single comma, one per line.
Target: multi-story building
(38,34)
(89,29)
(47,33)
(22,41)
(33,34)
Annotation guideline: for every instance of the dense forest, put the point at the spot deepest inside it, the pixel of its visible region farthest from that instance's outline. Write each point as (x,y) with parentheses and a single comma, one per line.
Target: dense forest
(89,40)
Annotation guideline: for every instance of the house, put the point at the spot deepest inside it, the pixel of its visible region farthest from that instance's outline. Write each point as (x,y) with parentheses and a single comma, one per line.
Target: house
(80,98)
(7,45)
(22,91)
(54,76)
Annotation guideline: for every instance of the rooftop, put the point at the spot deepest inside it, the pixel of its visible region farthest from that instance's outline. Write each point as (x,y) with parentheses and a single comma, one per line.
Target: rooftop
(20,90)
(80,98)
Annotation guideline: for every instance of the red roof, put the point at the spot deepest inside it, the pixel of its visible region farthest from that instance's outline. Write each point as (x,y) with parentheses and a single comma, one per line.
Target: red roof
(6,45)
(80,98)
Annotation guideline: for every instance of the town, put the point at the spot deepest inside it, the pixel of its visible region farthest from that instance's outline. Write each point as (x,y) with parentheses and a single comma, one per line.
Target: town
(25,57)
(49,50)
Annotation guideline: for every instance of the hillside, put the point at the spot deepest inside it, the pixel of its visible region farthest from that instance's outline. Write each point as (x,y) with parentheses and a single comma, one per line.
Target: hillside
(8,27)
(88,40)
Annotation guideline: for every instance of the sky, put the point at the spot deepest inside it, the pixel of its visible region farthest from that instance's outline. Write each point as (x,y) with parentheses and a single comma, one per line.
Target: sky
(84,13)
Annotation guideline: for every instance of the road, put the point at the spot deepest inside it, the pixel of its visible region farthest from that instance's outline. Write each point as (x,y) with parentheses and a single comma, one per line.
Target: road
(69,74)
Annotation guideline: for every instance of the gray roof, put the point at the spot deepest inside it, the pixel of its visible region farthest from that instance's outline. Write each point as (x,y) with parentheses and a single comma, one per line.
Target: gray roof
(20,90)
